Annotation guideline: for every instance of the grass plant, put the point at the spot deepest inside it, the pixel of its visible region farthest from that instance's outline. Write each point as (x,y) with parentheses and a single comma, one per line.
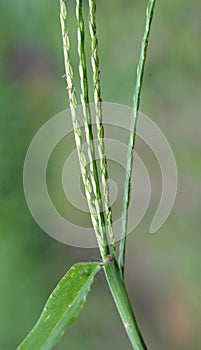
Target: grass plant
(66,301)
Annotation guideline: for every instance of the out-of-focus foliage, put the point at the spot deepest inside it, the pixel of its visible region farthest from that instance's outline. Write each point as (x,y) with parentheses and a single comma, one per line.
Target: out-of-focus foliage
(163,271)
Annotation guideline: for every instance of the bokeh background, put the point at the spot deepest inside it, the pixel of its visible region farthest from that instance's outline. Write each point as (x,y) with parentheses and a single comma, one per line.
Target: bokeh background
(163,270)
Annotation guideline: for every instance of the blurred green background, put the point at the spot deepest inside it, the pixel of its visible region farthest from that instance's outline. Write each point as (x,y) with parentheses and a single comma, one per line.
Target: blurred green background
(163,270)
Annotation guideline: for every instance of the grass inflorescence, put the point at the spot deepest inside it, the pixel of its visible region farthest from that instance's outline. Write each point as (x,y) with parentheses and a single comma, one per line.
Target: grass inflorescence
(98,199)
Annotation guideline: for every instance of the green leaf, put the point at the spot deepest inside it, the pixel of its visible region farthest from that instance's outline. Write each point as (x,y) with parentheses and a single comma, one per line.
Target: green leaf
(62,307)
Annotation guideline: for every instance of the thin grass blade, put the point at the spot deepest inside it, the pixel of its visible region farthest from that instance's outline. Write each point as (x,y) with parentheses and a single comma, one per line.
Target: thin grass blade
(62,307)
(132,136)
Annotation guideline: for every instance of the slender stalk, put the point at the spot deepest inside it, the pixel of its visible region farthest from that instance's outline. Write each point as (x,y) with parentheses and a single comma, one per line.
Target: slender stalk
(99,122)
(91,197)
(87,117)
(120,296)
(132,136)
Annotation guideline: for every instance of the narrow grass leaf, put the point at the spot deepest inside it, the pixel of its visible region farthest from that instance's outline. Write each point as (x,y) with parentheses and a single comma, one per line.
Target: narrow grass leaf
(62,307)
(132,136)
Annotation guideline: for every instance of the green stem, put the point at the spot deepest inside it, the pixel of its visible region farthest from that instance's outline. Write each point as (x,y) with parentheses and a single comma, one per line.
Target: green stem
(120,296)
(132,136)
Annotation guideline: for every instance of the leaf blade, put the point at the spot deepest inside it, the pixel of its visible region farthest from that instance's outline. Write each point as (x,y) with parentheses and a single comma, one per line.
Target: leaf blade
(62,307)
